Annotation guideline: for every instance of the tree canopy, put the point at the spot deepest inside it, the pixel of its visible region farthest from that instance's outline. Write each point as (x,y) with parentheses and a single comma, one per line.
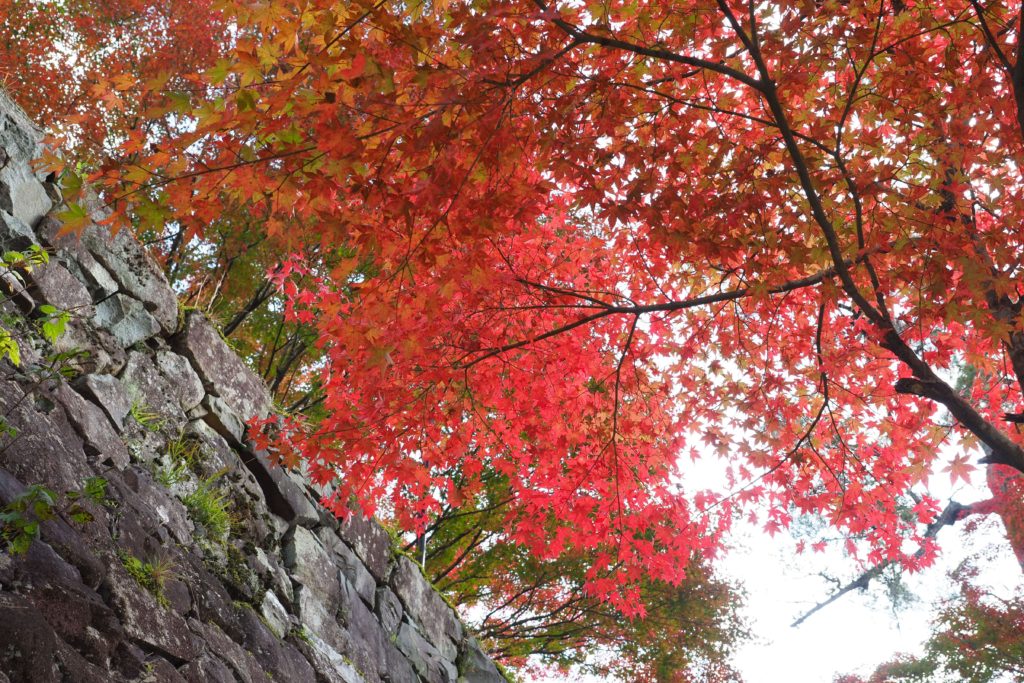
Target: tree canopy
(581,245)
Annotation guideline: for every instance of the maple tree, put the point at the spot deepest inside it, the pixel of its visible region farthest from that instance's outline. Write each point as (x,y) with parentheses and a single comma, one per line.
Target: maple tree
(89,69)
(521,607)
(976,637)
(568,242)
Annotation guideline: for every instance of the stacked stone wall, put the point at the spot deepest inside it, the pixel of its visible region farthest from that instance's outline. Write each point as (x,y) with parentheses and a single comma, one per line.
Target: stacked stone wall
(150,585)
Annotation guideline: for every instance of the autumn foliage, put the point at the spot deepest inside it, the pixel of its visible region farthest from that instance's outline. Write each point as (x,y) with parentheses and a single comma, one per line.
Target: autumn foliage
(568,243)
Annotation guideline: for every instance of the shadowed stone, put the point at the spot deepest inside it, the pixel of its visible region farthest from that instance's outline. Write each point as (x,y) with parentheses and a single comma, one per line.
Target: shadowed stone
(389,610)
(280,659)
(104,355)
(55,284)
(475,667)
(242,663)
(207,669)
(14,232)
(284,497)
(126,261)
(428,662)
(145,621)
(46,448)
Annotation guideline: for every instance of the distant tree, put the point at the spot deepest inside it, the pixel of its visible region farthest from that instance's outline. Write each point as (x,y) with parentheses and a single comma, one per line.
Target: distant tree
(527,609)
(978,638)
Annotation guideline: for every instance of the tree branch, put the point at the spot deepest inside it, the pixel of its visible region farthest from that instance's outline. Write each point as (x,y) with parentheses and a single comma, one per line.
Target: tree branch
(948,517)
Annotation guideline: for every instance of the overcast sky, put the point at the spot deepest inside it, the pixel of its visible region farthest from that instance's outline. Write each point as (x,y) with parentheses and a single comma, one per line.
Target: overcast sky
(859,631)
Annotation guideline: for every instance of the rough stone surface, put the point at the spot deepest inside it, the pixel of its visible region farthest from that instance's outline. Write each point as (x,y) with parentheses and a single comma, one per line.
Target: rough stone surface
(222,370)
(126,261)
(275,614)
(285,498)
(370,542)
(56,285)
(474,666)
(428,662)
(109,394)
(77,259)
(389,610)
(440,625)
(147,386)
(354,571)
(14,232)
(126,319)
(182,380)
(95,428)
(223,420)
(147,622)
(314,567)
(328,663)
(21,192)
(102,353)
(290,594)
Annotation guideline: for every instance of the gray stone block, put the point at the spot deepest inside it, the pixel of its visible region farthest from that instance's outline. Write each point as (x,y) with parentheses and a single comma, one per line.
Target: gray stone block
(328,662)
(148,388)
(476,667)
(94,427)
(352,568)
(14,232)
(146,621)
(284,497)
(369,541)
(314,567)
(46,448)
(222,371)
(223,420)
(182,380)
(108,393)
(280,659)
(241,662)
(138,275)
(389,610)
(103,354)
(425,607)
(207,669)
(21,192)
(126,319)
(428,662)
(275,614)
(54,284)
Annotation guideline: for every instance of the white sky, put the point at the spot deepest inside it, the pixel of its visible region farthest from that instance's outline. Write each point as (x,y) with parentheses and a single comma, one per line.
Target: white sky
(860,630)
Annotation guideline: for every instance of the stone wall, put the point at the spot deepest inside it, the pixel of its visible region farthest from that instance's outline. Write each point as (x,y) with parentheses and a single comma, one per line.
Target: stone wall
(160,585)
